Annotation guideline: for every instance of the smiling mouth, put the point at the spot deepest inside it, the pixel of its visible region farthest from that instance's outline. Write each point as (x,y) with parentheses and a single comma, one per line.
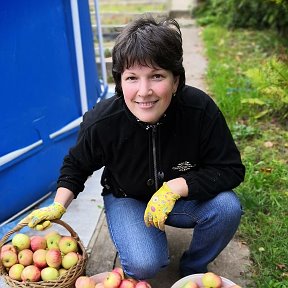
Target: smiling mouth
(146,104)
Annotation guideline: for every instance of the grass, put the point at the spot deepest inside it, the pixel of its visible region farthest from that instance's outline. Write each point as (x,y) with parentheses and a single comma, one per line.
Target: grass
(263,143)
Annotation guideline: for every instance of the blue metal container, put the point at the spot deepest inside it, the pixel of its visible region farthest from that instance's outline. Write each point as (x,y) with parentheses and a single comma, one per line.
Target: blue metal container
(48,79)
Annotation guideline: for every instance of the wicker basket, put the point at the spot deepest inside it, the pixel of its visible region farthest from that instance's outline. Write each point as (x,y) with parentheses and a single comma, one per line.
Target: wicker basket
(67,280)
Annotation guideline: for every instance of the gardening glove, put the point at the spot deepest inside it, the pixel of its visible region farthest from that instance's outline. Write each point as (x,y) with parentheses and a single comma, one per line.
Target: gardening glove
(159,206)
(40,218)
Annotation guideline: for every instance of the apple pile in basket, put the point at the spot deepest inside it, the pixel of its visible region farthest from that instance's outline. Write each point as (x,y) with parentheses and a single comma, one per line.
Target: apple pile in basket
(36,258)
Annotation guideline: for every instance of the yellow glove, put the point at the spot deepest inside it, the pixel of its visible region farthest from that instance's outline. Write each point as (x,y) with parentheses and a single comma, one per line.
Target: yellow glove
(159,206)
(40,218)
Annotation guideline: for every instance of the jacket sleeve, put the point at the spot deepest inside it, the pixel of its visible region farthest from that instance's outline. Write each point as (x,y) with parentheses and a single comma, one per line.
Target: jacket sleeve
(80,163)
(220,167)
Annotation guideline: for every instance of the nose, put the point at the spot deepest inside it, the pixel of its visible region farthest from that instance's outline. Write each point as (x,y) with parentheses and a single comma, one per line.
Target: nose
(144,88)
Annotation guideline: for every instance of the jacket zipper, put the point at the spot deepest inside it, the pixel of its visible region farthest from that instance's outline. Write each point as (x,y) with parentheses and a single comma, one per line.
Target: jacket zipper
(154,151)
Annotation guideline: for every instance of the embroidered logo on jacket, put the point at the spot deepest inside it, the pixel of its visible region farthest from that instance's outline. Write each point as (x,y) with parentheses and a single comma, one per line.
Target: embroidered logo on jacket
(184,166)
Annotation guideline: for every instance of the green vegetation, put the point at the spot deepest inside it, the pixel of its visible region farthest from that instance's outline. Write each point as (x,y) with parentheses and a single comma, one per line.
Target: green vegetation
(248,77)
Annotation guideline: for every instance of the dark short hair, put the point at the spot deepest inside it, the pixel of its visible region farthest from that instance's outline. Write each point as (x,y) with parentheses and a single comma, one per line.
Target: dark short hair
(149,42)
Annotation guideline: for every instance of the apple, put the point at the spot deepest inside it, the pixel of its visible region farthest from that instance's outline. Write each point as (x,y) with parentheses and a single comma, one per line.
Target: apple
(69,260)
(37,242)
(120,271)
(25,257)
(190,284)
(52,239)
(49,273)
(21,241)
(85,282)
(126,283)
(235,286)
(15,271)
(112,280)
(8,247)
(144,284)
(99,285)
(68,244)
(31,273)
(62,271)
(211,280)
(9,258)
(54,258)
(39,258)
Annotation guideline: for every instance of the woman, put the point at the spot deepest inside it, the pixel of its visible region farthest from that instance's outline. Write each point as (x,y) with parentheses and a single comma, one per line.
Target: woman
(168,154)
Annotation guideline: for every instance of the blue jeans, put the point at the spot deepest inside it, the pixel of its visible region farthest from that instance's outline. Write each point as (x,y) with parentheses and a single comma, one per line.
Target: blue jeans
(144,251)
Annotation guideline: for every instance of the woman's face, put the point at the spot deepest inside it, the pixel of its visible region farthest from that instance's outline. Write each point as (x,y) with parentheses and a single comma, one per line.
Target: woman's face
(148,91)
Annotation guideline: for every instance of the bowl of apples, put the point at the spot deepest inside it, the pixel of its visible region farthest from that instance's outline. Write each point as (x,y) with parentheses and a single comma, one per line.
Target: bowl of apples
(205,280)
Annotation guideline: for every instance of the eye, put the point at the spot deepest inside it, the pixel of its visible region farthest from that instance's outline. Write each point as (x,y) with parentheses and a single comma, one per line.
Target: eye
(130,78)
(158,76)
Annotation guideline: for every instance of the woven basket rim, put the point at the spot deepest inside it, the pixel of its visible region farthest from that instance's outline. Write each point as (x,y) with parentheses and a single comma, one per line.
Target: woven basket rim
(66,280)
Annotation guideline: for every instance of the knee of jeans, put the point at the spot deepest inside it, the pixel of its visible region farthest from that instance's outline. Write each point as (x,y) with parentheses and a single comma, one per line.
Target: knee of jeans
(229,206)
(141,269)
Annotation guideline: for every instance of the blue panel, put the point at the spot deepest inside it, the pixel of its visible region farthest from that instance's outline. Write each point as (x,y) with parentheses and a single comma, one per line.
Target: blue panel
(39,93)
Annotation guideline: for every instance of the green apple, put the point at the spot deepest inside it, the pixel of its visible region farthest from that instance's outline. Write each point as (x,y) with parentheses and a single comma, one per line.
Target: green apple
(68,244)
(69,260)
(112,280)
(52,239)
(21,241)
(190,284)
(211,280)
(15,271)
(49,273)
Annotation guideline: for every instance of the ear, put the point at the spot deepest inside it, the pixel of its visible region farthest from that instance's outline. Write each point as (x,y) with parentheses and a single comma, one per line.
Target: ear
(176,83)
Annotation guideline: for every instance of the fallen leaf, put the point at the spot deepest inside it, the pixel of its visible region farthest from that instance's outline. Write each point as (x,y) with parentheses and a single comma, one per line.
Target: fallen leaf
(268,144)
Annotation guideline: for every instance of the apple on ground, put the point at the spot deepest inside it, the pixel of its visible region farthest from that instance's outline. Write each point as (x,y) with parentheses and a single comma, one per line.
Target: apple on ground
(31,273)
(211,280)
(190,284)
(8,247)
(112,280)
(54,258)
(52,239)
(69,260)
(85,282)
(39,258)
(21,241)
(49,273)
(9,258)
(120,271)
(143,284)
(126,283)
(15,271)
(37,242)
(25,257)
(68,244)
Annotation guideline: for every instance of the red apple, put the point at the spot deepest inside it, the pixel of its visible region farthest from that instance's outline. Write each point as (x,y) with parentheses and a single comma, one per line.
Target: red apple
(21,241)
(84,282)
(211,280)
(126,283)
(39,258)
(8,247)
(112,280)
(49,273)
(235,286)
(68,244)
(9,258)
(15,272)
(143,284)
(31,273)
(25,257)
(99,285)
(54,258)
(69,260)
(37,242)
(120,271)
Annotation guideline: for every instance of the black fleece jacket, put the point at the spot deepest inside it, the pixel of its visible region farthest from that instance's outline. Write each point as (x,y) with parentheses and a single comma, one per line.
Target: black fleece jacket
(192,140)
